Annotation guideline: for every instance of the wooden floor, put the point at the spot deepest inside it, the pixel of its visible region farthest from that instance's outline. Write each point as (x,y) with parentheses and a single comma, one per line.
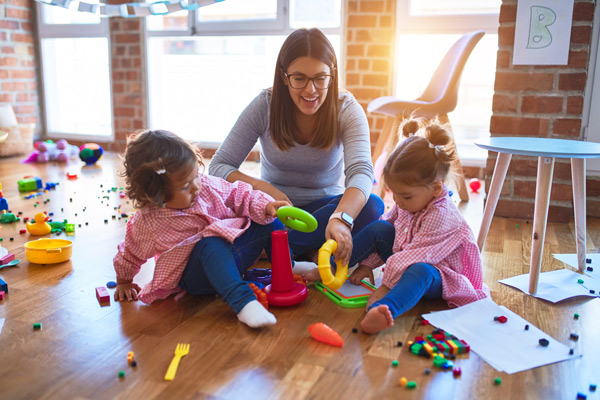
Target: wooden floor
(83,346)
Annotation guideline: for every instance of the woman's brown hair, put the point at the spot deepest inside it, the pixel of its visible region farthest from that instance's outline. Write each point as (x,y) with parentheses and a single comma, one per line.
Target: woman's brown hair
(152,158)
(304,43)
(427,153)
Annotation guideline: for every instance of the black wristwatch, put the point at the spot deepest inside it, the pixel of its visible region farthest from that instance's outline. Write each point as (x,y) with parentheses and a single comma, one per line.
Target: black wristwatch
(345,218)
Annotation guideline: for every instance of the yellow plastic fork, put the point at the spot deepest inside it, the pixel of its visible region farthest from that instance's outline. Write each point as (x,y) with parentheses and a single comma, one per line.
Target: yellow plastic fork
(181,350)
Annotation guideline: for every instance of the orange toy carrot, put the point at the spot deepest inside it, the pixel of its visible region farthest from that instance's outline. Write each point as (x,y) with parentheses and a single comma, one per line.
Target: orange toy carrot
(325,334)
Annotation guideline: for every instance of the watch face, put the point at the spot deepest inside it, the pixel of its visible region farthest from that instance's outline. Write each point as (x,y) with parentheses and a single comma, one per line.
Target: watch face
(347,218)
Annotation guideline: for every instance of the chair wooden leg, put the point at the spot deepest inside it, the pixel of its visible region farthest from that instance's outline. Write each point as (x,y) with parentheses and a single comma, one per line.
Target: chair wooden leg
(384,138)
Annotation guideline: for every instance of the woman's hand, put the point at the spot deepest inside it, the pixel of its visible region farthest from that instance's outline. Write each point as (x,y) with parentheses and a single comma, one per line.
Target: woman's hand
(127,291)
(273,206)
(271,190)
(340,232)
(360,273)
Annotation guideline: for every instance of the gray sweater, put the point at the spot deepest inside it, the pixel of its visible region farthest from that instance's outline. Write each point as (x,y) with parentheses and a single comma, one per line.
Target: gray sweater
(303,173)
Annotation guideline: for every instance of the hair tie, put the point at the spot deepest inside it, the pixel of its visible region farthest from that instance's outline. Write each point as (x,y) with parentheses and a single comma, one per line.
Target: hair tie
(160,171)
(438,147)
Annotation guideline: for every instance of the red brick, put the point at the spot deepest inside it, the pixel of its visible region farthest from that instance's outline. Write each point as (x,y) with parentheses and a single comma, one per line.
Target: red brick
(17,37)
(124,111)
(381,65)
(542,104)
(379,50)
(131,25)
(127,38)
(17,13)
(6,98)
(366,94)
(375,80)
(572,81)
(7,50)
(349,35)
(575,105)
(523,81)
(519,126)
(27,26)
(372,6)
(350,64)
(522,166)
(503,59)
(353,79)
(583,11)
(385,21)
(568,127)
(22,74)
(364,65)
(581,34)
(362,21)
(505,102)
(506,35)
(355,50)
(27,97)
(352,6)
(4,74)
(592,187)
(508,13)
(9,62)
(14,86)
(21,3)
(9,25)
(578,59)
(23,109)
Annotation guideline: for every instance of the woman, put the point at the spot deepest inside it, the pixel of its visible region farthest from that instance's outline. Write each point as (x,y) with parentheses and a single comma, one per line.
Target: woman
(315,146)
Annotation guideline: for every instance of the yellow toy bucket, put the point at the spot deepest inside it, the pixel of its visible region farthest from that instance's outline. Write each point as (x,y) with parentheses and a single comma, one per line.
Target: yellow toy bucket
(48,251)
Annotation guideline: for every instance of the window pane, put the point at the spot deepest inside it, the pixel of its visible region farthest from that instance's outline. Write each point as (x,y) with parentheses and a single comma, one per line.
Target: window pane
(471,118)
(76,77)
(175,21)
(445,7)
(238,10)
(59,15)
(315,13)
(199,86)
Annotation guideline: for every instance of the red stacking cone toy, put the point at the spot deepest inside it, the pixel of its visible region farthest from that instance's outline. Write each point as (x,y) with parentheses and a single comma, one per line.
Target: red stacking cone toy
(283,291)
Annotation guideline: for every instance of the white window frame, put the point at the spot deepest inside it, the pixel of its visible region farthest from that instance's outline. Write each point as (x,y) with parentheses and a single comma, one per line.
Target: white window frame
(54,31)
(278,27)
(443,24)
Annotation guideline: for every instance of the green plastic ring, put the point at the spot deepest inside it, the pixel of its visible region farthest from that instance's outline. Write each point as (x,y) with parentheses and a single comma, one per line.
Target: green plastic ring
(297,218)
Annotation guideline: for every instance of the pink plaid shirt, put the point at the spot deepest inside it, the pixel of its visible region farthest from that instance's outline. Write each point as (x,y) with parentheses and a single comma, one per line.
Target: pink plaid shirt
(221,209)
(440,236)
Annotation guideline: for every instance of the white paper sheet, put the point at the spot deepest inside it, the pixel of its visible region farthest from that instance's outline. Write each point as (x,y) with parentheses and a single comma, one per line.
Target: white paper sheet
(571,259)
(557,285)
(2,324)
(507,347)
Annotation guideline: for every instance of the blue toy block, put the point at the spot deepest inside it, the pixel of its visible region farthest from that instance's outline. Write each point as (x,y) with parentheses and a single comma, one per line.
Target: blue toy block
(3,286)
(3,204)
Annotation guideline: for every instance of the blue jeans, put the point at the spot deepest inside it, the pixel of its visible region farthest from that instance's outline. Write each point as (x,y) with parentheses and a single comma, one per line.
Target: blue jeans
(302,243)
(217,266)
(418,281)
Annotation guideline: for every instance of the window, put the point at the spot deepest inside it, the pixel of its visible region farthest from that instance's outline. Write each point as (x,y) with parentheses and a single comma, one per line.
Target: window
(205,66)
(76,74)
(426,30)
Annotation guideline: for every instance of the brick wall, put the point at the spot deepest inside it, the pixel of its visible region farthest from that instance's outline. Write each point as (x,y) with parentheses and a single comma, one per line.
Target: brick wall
(128,79)
(541,101)
(18,66)
(370,31)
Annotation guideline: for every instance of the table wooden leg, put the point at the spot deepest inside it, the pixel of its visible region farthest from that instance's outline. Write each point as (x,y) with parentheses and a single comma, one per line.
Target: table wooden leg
(540,216)
(578,174)
(500,169)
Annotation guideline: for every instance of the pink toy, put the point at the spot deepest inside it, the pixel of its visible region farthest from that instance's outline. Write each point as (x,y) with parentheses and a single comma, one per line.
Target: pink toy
(49,151)
(475,185)
(283,291)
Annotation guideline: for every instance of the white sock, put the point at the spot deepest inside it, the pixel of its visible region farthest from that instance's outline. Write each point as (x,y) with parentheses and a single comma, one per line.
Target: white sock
(303,266)
(255,315)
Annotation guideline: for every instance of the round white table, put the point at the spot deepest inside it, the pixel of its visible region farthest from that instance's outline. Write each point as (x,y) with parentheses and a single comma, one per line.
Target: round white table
(546,150)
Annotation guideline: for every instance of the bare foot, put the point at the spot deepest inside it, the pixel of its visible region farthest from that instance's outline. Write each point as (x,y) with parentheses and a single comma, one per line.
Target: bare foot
(311,276)
(377,319)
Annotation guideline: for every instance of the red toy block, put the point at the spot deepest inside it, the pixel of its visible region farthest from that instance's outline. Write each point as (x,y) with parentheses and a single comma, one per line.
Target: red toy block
(2,294)
(7,258)
(102,295)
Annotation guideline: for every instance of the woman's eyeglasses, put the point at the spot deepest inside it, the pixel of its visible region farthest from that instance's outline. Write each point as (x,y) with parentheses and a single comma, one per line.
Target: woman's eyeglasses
(299,81)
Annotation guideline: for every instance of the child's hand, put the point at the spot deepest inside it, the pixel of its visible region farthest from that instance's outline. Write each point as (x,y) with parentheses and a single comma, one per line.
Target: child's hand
(272,207)
(361,272)
(127,291)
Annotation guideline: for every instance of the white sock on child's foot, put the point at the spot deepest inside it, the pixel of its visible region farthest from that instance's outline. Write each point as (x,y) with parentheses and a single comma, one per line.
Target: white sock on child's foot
(303,266)
(255,315)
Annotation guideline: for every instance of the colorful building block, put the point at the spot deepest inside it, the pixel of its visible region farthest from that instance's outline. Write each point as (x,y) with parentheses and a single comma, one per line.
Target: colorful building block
(3,286)
(7,258)
(102,295)
(2,295)
(30,184)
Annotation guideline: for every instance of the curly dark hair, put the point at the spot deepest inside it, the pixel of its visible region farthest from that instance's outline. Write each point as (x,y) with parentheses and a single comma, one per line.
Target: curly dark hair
(151,159)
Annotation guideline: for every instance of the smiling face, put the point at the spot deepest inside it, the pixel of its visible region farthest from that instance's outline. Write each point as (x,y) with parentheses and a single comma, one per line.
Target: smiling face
(414,198)
(184,189)
(309,99)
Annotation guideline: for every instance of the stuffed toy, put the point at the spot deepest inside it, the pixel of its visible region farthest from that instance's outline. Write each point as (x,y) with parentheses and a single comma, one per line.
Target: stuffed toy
(49,151)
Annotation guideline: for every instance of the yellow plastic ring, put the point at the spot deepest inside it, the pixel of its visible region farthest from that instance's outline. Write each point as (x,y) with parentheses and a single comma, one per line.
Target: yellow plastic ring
(341,273)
